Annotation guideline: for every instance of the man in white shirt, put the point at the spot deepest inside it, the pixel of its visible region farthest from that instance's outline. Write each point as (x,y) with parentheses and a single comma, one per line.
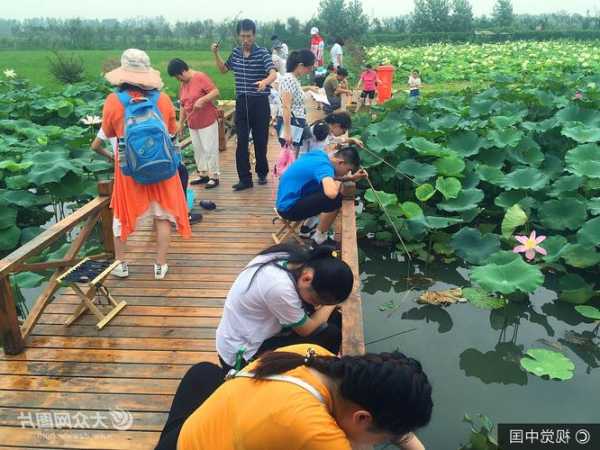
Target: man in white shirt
(337,53)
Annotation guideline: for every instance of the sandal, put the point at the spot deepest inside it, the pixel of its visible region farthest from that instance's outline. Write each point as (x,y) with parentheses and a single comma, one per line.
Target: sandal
(212,183)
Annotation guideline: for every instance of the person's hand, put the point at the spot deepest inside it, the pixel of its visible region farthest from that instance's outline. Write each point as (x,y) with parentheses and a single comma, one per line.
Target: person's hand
(261,85)
(214,48)
(287,135)
(359,175)
(198,104)
(356,141)
(179,130)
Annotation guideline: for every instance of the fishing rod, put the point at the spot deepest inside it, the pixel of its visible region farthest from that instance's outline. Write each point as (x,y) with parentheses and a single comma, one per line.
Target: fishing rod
(387,215)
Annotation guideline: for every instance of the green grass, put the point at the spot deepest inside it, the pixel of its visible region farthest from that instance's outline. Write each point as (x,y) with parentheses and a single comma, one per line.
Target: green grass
(34,65)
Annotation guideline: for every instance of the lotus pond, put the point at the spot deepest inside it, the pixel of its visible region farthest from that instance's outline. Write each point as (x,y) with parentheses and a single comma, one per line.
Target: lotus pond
(489,196)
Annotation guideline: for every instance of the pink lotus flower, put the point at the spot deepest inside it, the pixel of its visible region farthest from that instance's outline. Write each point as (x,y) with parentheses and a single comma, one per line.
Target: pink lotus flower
(578,96)
(530,245)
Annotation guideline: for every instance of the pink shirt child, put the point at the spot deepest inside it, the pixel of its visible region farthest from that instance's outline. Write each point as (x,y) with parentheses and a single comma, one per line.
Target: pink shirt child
(369,79)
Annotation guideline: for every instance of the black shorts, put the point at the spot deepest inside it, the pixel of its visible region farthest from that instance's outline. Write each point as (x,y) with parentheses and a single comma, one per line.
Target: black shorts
(365,94)
(312,205)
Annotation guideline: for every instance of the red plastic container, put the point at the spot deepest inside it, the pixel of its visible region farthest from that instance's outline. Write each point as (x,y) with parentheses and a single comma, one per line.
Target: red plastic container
(386,76)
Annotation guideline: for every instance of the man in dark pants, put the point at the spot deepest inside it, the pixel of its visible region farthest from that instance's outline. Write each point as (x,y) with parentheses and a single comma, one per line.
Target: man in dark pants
(254,72)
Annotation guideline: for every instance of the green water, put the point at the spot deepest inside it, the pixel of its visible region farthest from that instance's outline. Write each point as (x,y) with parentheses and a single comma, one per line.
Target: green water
(472,356)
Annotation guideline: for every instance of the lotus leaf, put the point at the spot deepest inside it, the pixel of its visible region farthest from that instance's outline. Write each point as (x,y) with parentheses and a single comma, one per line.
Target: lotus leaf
(387,139)
(50,166)
(542,362)
(28,280)
(428,148)
(23,198)
(525,178)
(449,187)
(508,277)
(465,143)
(541,127)
(441,222)
(489,174)
(584,160)
(8,218)
(482,299)
(528,152)
(588,311)
(580,256)
(9,237)
(17,182)
(593,205)
(590,232)
(552,166)
(446,122)
(12,166)
(450,166)
(381,196)
(419,171)
(494,157)
(509,198)
(505,121)
(563,214)
(564,184)
(514,218)
(509,137)
(424,192)
(411,210)
(574,289)
(582,134)
(474,247)
(574,113)
(467,199)
(553,246)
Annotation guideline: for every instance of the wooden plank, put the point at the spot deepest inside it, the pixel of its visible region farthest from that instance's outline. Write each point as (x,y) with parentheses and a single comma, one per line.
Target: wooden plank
(112,356)
(93,369)
(127,332)
(353,340)
(114,343)
(10,332)
(154,301)
(79,439)
(49,236)
(159,311)
(105,189)
(133,321)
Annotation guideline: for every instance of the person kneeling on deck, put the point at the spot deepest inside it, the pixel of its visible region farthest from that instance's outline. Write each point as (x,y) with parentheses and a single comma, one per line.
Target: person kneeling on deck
(312,185)
(284,296)
(301,397)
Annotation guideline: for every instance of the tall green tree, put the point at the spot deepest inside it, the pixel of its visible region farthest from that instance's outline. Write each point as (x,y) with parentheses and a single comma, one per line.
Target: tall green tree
(431,16)
(462,16)
(357,23)
(341,19)
(503,13)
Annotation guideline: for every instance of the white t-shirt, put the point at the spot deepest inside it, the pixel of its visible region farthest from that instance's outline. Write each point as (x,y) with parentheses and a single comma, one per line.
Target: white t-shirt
(252,315)
(113,140)
(289,83)
(336,51)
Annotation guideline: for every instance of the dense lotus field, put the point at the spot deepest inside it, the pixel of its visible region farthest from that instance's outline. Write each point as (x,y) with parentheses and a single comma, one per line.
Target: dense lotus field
(504,181)
(482,62)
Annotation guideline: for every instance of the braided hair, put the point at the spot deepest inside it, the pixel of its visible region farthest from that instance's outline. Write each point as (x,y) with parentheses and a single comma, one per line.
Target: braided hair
(391,386)
(332,279)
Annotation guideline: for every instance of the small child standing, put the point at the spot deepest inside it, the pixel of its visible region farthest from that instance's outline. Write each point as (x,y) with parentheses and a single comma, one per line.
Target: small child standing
(369,81)
(414,84)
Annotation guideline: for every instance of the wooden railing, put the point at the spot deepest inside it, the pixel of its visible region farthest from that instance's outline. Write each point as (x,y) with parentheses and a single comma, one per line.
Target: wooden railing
(353,337)
(11,332)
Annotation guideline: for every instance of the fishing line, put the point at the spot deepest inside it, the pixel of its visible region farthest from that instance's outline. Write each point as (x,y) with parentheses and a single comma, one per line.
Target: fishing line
(389,165)
(389,218)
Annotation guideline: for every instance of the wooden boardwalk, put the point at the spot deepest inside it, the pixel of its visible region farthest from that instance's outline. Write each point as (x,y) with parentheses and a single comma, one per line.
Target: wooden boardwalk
(79,388)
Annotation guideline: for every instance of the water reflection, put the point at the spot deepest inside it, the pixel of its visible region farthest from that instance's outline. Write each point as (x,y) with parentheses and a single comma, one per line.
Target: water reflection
(586,345)
(431,313)
(500,365)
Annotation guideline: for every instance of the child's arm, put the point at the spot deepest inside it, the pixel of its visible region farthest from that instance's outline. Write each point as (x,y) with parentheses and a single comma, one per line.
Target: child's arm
(411,442)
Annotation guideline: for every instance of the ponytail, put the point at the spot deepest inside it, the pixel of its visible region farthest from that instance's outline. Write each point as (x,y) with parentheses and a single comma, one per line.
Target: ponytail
(320,130)
(391,386)
(297,57)
(332,280)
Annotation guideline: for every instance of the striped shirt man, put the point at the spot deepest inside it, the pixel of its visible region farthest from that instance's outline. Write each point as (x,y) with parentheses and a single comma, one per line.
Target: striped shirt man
(250,70)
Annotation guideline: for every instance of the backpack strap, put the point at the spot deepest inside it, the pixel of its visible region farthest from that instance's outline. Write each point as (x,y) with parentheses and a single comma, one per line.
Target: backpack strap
(284,378)
(123,97)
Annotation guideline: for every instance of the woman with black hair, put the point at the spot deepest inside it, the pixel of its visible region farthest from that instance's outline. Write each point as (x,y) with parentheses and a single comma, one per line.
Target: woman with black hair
(284,296)
(290,124)
(302,397)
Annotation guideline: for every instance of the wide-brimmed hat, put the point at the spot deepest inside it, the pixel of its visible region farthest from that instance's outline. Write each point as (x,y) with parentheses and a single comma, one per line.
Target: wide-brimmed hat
(136,70)
(314,30)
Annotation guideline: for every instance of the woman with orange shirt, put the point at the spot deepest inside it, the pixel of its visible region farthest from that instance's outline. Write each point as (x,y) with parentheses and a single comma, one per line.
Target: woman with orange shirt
(301,397)
(131,201)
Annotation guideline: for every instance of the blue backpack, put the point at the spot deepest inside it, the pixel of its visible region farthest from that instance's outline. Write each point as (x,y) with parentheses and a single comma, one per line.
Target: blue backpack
(147,151)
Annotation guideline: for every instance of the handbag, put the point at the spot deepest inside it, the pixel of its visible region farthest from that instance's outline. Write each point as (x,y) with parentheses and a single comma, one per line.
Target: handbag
(297,124)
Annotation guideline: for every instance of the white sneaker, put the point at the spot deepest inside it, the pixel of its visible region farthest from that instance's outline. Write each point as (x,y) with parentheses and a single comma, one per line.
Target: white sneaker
(121,271)
(160,271)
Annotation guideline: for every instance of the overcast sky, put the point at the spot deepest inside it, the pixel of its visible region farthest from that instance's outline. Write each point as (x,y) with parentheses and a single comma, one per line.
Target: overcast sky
(259,9)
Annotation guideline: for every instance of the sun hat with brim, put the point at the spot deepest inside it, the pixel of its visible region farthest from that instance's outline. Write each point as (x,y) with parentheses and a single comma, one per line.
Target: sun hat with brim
(136,70)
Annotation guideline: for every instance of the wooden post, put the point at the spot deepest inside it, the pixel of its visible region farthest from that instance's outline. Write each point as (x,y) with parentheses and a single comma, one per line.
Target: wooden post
(10,332)
(349,190)
(222,138)
(106,217)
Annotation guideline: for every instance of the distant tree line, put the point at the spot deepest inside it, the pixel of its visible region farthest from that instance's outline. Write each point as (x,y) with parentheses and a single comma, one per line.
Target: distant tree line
(430,20)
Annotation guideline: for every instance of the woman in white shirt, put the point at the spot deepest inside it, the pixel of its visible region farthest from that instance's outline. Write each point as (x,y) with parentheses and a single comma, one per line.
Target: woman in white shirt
(285,296)
(337,53)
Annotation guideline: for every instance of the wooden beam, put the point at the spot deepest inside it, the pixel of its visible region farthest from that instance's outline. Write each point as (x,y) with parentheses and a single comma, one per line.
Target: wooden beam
(10,333)
(46,238)
(48,265)
(53,285)
(105,189)
(353,337)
